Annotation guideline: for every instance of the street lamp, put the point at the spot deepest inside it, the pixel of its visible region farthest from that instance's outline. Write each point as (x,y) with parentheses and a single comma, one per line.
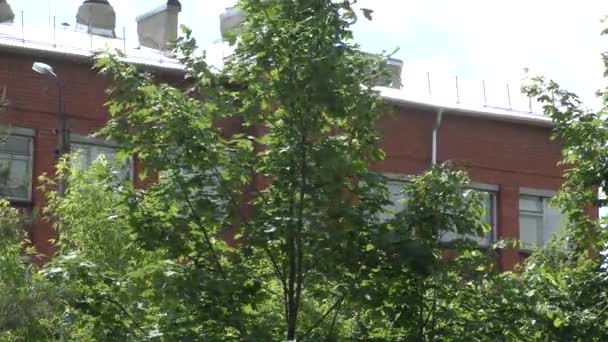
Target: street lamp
(63,132)
(44,69)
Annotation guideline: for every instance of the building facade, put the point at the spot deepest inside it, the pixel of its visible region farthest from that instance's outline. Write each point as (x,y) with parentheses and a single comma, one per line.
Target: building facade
(509,155)
(510,158)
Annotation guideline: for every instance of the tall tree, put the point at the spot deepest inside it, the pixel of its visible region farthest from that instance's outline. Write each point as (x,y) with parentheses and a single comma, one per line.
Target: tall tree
(293,180)
(263,221)
(311,88)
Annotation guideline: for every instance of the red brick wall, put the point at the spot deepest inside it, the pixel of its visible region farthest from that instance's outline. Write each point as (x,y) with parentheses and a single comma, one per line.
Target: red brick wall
(504,154)
(34,105)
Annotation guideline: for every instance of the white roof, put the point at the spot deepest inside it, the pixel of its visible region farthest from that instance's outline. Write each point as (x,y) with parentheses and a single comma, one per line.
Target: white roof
(399,97)
(71,43)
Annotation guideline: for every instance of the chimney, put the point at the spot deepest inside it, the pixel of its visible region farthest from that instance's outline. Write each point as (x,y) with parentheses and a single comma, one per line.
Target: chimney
(230,22)
(392,78)
(6,13)
(157,28)
(98,17)
(395,67)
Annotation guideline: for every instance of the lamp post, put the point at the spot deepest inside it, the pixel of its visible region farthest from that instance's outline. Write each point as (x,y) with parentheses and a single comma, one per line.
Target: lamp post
(63,131)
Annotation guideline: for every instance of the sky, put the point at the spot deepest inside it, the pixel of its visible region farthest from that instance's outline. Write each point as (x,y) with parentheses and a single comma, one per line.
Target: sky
(491,40)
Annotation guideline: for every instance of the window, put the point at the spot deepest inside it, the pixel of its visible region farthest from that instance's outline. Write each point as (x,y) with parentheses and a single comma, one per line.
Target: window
(488,201)
(88,150)
(86,154)
(538,221)
(394,184)
(16,167)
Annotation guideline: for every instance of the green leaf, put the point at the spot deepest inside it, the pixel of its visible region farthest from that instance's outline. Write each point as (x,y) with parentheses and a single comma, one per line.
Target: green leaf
(557,322)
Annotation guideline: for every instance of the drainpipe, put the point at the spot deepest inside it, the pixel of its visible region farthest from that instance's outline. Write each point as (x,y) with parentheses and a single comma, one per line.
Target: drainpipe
(436,134)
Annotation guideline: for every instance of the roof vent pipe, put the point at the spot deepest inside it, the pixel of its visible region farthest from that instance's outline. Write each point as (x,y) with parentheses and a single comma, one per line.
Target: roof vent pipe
(230,22)
(159,27)
(98,17)
(395,67)
(6,13)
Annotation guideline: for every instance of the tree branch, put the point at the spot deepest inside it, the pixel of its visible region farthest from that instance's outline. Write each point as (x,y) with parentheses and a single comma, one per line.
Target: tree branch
(336,305)
(199,223)
(207,238)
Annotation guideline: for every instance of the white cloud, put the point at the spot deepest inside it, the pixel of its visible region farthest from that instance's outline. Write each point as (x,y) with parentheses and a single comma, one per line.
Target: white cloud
(494,40)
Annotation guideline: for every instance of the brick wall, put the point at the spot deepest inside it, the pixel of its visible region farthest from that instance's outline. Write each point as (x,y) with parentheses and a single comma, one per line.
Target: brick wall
(34,105)
(504,154)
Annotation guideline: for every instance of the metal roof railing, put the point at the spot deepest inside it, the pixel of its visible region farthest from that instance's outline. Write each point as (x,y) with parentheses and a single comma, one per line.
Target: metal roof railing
(78,40)
(426,86)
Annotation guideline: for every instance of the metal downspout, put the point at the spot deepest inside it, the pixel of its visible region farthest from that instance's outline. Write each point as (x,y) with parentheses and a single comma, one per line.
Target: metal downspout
(436,135)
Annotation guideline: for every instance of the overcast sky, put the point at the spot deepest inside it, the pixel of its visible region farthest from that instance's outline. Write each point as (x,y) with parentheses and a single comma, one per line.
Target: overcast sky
(474,39)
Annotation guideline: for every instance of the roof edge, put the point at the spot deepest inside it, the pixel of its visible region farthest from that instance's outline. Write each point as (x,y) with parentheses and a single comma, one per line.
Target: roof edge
(496,115)
(157,10)
(88,58)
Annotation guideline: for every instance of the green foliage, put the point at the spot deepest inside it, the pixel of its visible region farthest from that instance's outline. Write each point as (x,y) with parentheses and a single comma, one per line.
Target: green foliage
(262,220)
(411,292)
(294,181)
(26,303)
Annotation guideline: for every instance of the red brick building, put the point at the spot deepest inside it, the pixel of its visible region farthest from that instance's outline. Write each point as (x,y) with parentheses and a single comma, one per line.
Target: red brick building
(508,154)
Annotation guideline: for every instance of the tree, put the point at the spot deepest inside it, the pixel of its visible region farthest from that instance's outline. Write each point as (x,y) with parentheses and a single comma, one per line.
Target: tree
(27,304)
(274,230)
(294,182)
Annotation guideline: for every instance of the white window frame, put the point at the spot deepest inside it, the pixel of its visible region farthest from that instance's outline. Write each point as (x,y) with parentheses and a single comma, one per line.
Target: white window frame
(492,190)
(30,135)
(545,197)
(77,139)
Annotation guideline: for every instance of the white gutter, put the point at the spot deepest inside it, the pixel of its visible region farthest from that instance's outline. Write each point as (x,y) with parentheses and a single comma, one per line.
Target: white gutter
(436,135)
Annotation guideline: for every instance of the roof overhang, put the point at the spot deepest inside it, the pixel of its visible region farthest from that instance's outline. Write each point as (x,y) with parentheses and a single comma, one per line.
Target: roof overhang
(395,97)
(88,59)
(172,67)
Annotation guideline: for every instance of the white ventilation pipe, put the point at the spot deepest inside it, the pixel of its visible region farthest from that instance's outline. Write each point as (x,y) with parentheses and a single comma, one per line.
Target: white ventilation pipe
(159,27)
(230,21)
(98,17)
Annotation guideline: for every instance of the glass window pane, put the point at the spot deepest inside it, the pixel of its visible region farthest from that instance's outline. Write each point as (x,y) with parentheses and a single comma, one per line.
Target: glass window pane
(554,221)
(78,148)
(94,153)
(396,195)
(15,178)
(488,204)
(529,229)
(530,203)
(81,158)
(4,175)
(108,153)
(488,218)
(19,178)
(88,153)
(16,145)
